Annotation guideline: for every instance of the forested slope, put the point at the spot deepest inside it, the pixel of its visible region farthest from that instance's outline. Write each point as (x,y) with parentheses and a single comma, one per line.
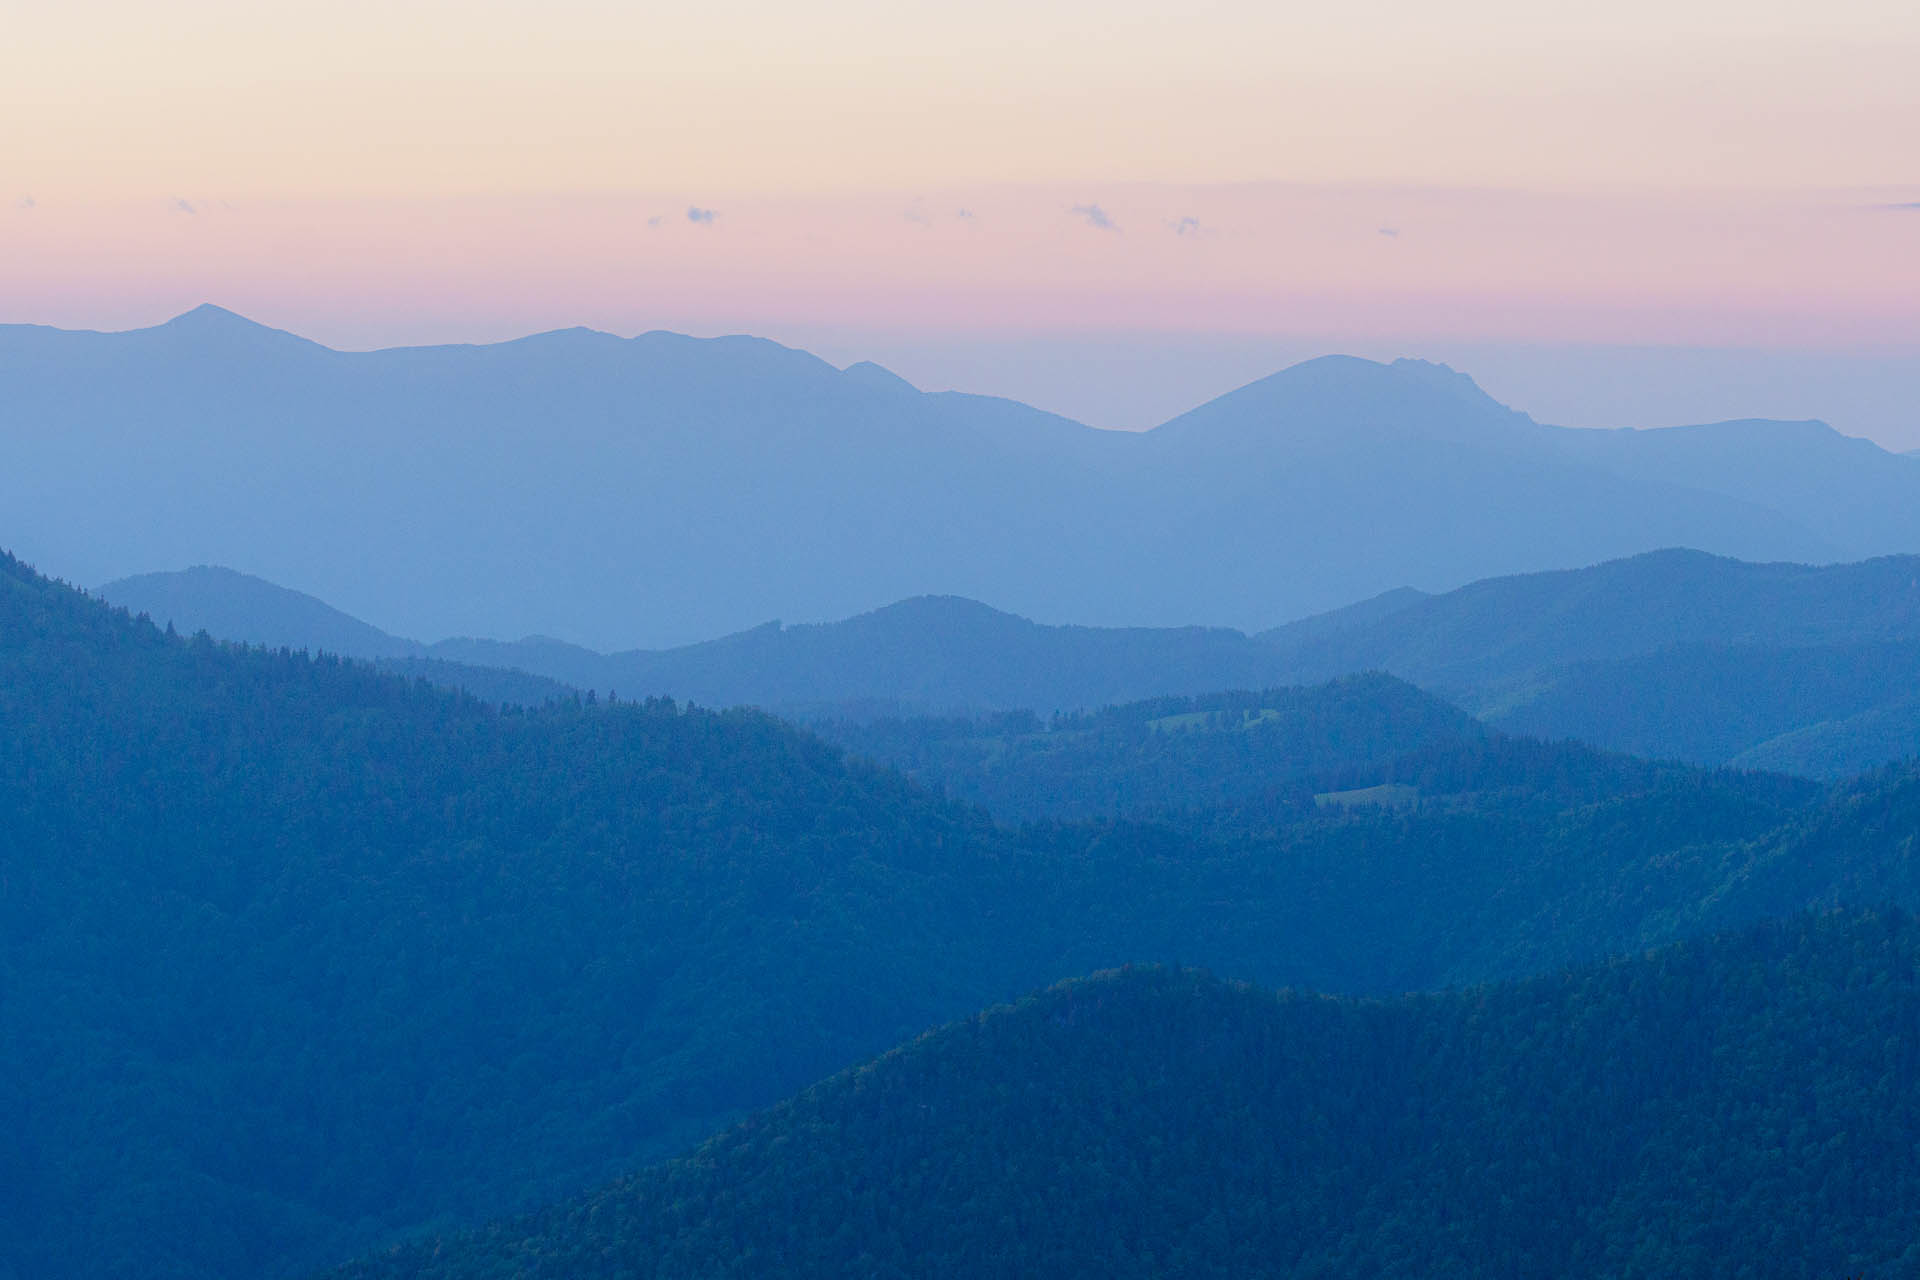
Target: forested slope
(1739,1107)
(1166,756)
(295,952)
(296,955)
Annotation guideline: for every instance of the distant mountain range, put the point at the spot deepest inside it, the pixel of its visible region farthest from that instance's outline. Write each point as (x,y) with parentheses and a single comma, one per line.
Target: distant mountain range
(930,653)
(1146,1123)
(1676,654)
(662,489)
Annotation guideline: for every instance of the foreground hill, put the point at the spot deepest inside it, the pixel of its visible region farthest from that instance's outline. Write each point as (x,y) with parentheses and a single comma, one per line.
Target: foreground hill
(1730,1108)
(298,956)
(663,489)
(296,953)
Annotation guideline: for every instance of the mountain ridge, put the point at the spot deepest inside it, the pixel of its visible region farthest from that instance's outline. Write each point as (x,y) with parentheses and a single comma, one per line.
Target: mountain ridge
(1672,653)
(660,489)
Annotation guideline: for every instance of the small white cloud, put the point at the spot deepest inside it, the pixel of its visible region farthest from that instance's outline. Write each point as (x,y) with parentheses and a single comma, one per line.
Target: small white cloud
(1392,233)
(701,217)
(182,206)
(1095,216)
(1184,226)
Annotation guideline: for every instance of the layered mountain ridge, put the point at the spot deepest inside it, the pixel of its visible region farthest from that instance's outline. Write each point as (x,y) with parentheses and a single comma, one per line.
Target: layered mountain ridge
(1673,654)
(661,489)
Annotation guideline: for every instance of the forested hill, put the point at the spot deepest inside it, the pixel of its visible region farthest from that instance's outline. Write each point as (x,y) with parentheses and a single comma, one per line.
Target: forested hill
(1167,758)
(296,955)
(1732,1108)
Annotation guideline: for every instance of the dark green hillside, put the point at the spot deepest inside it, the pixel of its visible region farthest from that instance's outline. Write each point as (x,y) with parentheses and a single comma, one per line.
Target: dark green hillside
(1741,1107)
(1169,756)
(499,685)
(295,956)
(295,953)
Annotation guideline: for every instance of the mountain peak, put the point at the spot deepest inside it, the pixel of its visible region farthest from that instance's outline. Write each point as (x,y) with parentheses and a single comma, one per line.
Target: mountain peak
(209,316)
(868,374)
(209,322)
(1333,396)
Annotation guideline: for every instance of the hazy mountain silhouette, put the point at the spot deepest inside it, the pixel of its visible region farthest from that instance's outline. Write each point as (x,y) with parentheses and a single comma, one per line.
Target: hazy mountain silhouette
(1501,629)
(937,653)
(664,489)
(924,654)
(248,610)
(1675,654)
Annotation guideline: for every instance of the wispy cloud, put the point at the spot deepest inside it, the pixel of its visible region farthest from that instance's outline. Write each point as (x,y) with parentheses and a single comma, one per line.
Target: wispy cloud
(918,217)
(1391,233)
(965,215)
(1095,216)
(655,221)
(26,202)
(1909,206)
(703,217)
(1184,226)
(179,205)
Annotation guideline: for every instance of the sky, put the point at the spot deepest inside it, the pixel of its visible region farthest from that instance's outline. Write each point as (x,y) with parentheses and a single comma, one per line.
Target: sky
(1547,187)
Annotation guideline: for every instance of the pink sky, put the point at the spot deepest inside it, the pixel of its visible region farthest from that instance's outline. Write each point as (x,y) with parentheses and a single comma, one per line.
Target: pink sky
(1713,268)
(1379,175)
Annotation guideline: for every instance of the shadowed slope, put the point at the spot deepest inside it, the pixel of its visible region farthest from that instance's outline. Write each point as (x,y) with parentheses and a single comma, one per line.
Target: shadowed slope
(1730,1108)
